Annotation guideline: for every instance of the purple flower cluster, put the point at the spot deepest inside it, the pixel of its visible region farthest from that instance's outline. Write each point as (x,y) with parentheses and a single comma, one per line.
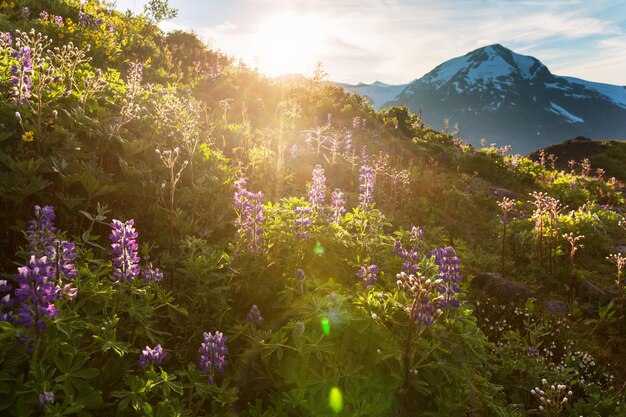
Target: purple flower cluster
(317,190)
(58,20)
(86,20)
(337,206)
(5,40)
(254,315)
(39,283)
(411,256)
(36,293)
(303,222)
(151,356)
(46,397)
(450,275)
(44,16)
(152,274)
(366,187)
(25,11)
(41,232)
(299,274)
(21,73)
(368,275)
(250,217)
(422,291)
(213,353)
(124,250)
(135,73)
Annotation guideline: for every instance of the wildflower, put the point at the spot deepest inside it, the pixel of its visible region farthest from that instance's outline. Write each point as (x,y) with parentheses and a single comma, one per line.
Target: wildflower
(254,315)
(152,274)
(337,205)
(303,222)
(25,11)
(151,356)
(83,19)
(58,20)
(366,188)
(317,189)
(250,217)
(213,353)
(423,299)
(411,256)
(36,293)
(41,232)
(368,275)
(44,16)
(124,250)
(5,40)
(47,397)
(450,275)
(28,136)
(21,72)
(299,274)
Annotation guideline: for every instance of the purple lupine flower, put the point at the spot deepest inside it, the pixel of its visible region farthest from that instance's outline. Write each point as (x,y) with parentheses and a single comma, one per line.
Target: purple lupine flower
(299,274)
(411,255)
(450,275)
(68,292)
(111,28)
(337,205)
(21,83)
(213,353)
(135,73)
(317,189)
(303,222)
(83,19)
(366,187)
(35,293)
(25,11)
(58,20)
(5,40)
(250,217)
(423,299)
(151,356)
(124,250)
(368,275)
(254,315)
(152,274)
(533,351)
(44,16)
(41,232)
(46,397)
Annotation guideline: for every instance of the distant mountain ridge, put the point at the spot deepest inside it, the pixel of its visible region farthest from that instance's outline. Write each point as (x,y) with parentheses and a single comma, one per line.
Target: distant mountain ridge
(508,98)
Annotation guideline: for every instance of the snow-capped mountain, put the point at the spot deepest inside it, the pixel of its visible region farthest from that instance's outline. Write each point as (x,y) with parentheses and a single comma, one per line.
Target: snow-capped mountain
(512,99)
(378,93)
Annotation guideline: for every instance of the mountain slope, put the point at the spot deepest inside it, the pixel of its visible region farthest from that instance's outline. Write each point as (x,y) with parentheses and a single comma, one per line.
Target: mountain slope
(504,97)
(378,93)
(508,98)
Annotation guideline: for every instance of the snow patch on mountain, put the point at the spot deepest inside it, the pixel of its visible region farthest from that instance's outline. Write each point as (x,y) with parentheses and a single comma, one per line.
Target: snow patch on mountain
(555,108)
(615,93)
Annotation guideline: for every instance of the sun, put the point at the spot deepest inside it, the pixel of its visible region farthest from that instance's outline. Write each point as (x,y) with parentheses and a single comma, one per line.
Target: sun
(289,43)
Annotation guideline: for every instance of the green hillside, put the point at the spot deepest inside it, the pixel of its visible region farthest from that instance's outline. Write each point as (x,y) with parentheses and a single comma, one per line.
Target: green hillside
(182,236)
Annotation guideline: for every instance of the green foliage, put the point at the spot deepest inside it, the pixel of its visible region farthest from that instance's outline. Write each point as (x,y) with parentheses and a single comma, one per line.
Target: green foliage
(102,107)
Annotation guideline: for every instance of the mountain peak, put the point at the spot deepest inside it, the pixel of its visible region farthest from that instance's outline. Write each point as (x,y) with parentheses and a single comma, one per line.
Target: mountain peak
(491,64)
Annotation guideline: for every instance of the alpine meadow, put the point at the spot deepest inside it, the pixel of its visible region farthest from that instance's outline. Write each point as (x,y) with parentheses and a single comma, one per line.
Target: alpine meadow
(183,235)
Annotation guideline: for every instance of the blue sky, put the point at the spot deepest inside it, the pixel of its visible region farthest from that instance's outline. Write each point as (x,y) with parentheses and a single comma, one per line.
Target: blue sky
(396,41)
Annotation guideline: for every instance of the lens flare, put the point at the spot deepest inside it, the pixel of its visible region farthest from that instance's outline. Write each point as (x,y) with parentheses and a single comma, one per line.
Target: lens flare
(319,249)
(335,400)
(326,326)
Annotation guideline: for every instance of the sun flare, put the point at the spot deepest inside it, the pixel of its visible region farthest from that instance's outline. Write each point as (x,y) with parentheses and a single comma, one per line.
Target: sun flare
(289,43)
